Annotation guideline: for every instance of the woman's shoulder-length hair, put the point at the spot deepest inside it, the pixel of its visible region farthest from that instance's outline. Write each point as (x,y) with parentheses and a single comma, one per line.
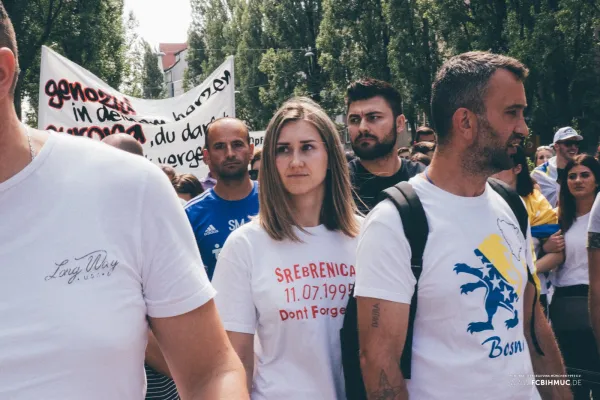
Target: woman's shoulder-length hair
(338,211)
(567,205)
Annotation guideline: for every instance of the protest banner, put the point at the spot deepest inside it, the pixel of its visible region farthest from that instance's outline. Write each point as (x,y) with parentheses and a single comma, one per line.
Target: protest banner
(257,138)
(172,131)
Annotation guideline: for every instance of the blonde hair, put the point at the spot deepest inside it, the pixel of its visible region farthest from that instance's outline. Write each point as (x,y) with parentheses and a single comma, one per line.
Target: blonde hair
(338,211)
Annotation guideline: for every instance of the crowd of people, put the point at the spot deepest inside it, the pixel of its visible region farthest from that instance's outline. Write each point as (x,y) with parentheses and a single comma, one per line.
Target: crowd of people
(294,272)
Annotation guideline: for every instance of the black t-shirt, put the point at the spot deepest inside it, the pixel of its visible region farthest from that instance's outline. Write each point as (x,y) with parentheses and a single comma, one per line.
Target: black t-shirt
(560,173)
(366,186)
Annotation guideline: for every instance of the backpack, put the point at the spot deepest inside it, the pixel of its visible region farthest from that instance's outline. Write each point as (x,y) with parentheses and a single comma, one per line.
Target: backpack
(416,231)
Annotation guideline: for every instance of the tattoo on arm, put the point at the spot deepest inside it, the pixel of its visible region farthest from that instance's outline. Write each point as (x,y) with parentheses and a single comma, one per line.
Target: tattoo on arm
(385,390)
(375,316)
(593,240)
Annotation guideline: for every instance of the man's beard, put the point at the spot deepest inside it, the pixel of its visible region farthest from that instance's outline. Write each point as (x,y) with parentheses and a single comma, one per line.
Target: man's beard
(231,174)
(379,149)
(492,154)
(565,154)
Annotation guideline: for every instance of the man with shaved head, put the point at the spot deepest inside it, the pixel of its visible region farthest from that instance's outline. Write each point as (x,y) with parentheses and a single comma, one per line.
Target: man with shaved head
(220,210)
(124,142)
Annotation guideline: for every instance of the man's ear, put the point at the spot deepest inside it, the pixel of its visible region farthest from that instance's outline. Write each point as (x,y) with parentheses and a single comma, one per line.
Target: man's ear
(400,123)
(206,157)
(464,124)
(517,169)
(8,65)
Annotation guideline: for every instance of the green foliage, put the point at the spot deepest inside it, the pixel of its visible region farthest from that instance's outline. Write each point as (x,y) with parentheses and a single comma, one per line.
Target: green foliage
(152,77)
(558,40)
(316,48)
(270,40)
(249,77)
(133,69)
(196,56)
(90,33)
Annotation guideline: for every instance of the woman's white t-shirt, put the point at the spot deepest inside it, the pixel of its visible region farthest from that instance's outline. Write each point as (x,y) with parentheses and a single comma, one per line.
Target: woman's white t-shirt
(574,271)
(293,296)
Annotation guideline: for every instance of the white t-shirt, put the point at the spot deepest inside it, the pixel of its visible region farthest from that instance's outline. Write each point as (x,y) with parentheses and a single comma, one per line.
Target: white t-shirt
(294,296)
(92,240)
(594,224)
(468,339)
(574,271)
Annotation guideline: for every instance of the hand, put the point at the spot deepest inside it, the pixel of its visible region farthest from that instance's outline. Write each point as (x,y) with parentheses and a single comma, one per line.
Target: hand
(555,243)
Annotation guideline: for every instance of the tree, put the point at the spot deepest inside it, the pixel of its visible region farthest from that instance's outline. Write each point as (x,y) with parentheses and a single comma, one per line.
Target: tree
(558,42)
(33,21)
(196,57)
(414,55)
(290,31)
(353,42)
(353,39)
(197,54)
(152,78)
(403,42)
(95,39)
(248,75)
(213,31)
(134,59)
(90,33)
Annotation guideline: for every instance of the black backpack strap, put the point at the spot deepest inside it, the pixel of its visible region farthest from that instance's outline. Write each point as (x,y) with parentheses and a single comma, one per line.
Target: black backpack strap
(513,199)
(416,230)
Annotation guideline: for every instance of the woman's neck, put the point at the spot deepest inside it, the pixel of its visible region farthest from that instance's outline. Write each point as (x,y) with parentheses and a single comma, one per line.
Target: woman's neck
(584,205)
(307,208)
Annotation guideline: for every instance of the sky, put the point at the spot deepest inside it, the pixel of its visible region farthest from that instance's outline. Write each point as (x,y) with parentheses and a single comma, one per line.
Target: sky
(161,21)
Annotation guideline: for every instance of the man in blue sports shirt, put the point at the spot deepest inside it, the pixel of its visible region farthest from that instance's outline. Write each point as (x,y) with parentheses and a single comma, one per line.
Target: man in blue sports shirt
(219,211)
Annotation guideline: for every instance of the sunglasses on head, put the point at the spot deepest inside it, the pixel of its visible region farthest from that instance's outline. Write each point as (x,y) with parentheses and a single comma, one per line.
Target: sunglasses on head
(253,174)
(570,143)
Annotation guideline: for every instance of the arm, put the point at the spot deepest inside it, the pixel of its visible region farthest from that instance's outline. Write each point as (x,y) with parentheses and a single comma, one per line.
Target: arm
(154,356)
(555,243)
(551,362)
(199,355)
(594,271)
(243,344)
(549,261)
(382,329)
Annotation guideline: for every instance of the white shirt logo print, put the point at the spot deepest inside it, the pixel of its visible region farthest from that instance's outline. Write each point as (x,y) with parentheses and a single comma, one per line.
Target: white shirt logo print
(211,230)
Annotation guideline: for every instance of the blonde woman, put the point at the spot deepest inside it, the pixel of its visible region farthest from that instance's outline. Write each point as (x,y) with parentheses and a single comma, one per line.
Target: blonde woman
(543,154)
(286,276)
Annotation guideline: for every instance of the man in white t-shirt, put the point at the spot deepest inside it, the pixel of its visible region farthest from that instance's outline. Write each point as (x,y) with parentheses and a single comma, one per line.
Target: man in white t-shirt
(594,267)
(549,174)
(94,247)
(472,332)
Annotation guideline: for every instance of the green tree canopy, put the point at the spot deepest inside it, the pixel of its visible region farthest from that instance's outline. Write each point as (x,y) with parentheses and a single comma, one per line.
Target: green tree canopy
(152,76)
(90,33)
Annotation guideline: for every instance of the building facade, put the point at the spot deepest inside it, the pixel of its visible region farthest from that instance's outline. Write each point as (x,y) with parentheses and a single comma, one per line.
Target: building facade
(173,64)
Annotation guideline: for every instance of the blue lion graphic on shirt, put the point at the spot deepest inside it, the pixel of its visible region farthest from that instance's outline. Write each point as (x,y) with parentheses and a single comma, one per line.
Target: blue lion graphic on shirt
(498,276)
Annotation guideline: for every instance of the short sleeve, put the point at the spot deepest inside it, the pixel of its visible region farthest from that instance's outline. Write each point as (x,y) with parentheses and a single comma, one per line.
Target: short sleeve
(174,281)
(531,259)
(594,224)
(383,255)
(593,241)
(233,282)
